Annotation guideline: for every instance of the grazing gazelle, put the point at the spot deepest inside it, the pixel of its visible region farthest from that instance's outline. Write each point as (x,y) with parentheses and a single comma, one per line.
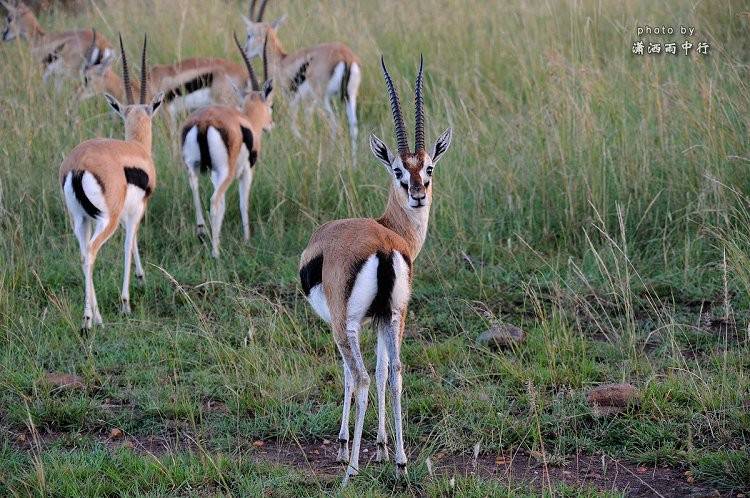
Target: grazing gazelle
(61,53)
(187,85)
(226,140)
(106,181)
(314,74)
(358,269)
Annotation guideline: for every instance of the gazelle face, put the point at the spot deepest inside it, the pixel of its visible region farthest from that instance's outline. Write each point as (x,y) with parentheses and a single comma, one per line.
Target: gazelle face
(412,172)
(256,35)
(94,79)
(13,26)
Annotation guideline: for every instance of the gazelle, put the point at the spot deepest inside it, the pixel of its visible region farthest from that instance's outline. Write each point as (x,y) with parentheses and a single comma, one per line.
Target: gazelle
(358,269)
(226,140)
(187,85)
(315,74)
(63,54)
(106,181)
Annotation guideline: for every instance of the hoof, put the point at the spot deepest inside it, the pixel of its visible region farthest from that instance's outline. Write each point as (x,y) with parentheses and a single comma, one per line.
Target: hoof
(125,307)
(350,472)
(401,471)
(97,318)
(215,254)
(343,455)
(200,231)
(382,454)
(88,322)
(140,280)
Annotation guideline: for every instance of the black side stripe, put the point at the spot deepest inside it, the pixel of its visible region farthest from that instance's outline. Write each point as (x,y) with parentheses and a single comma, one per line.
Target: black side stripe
(380,308)
(345,82)
(138,177)
(202,81)
(247,139)
(81,197)
(299,77)
(311,274)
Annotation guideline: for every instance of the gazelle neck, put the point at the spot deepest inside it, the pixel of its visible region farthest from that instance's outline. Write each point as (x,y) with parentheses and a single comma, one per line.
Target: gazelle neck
(113,84)
(275,52)
(34,30)
(141,133)
(411,224)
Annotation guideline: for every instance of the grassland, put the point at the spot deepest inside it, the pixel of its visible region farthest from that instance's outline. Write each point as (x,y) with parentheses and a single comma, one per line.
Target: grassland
(594,198)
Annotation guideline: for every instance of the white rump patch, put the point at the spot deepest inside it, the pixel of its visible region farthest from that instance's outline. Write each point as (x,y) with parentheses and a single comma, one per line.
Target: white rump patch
(93,191)
(133,200)
(219,155)
(401,289)
(191,152)
(363,292)
(243,161)
(317,299)
(334,84)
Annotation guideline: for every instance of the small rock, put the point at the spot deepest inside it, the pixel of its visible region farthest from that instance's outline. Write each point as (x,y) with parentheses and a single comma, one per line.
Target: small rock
(258,443)
(609,399)
(641,470)
(128,444)
(64,381)
(326,441)
(502,335)
(21,438)
(115,433)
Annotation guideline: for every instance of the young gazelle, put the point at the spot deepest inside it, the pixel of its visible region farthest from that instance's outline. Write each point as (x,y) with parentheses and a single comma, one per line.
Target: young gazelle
(187,85)
(62,54)
(314,74)
(106,181)
(358,269)
(226,140)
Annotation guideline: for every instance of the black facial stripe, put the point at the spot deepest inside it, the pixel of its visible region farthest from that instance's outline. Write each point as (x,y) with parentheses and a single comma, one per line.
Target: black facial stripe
(311,274)
(405,186)
(137,176)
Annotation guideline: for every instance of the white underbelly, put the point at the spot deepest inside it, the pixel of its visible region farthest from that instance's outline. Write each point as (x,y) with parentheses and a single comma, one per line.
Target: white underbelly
(196,100)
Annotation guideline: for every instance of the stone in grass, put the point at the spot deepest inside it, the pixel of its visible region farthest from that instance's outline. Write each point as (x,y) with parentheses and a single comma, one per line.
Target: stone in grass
(64,381)
(610,399)
(502,335)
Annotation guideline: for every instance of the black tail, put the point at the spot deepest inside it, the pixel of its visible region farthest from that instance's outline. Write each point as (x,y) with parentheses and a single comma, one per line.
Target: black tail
(247,139)
(345,82)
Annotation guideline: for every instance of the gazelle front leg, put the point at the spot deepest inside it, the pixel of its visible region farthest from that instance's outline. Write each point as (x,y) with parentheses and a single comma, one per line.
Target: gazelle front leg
(246,182)
(381,378)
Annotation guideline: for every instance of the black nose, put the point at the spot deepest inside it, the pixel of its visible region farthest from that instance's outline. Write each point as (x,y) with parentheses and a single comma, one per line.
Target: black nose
(417,192)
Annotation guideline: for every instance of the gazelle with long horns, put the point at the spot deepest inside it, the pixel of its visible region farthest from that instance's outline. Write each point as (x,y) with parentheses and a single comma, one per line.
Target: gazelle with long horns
(358,269)
(187,85)
(63,54)
(313,75)
(226,141)
(106,182)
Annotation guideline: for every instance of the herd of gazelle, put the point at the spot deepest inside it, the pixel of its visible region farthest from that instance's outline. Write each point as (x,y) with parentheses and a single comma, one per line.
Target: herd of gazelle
(352,271)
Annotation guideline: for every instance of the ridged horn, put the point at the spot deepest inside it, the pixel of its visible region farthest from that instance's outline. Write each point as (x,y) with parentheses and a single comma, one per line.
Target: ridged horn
(251,13)
(261,10)
(398,119)
(265,58)
(144,72)
(125,73)
(250,72)
(419,110)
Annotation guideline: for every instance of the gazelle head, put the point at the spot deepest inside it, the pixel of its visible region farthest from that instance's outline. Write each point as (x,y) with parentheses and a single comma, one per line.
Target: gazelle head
(257,102)
(137,117)
(94,73)
(257,30)
(19,21)
(411,171)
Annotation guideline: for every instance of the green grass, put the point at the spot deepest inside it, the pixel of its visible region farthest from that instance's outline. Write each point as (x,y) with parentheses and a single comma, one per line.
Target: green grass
(595,198)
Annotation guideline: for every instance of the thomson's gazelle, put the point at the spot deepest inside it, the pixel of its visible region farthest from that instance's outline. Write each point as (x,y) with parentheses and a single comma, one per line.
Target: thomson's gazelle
(356,269)
(106,181)
(314,74)
(61,53)
(226,140)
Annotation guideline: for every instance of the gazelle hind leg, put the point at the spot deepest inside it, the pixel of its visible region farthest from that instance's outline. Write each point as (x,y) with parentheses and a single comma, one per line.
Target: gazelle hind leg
(191,156)
(352,355)
(139,274)
(381,378)
(352,90)
(392,334)
(220,179)
(246,182)
(343,454)
(130,221)
(104,228)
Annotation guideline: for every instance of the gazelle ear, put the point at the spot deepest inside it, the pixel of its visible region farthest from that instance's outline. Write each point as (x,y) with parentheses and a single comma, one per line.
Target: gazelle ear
(104,64)
(278,22)
(441,145)
(114,104)
(155,104)
(267,91)
(381,151)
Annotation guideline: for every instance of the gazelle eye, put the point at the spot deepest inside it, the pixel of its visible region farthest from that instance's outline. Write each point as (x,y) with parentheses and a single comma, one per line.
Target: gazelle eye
(398,173)
(429,170)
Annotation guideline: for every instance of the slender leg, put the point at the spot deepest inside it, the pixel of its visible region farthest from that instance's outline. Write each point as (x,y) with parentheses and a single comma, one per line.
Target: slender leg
(82,229)
(343,456)
(351,114)
(200,222)
(330,115)
(293,114)
(218,207)
(393,335)
(352,355)
(381,377)
(139,274)
(246,181)
(102,232)
(131,221)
